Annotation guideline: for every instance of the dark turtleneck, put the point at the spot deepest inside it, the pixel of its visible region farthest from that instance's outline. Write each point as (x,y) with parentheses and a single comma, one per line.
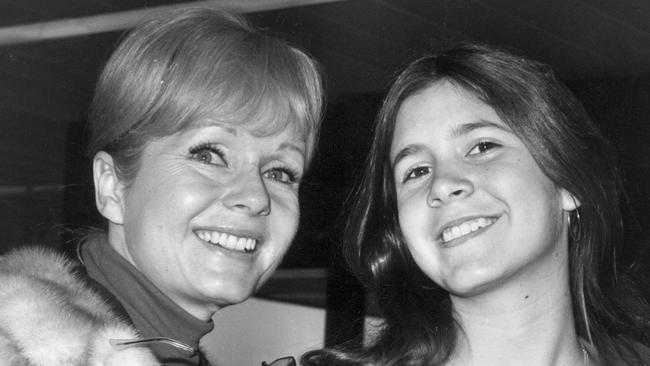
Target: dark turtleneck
(152,312)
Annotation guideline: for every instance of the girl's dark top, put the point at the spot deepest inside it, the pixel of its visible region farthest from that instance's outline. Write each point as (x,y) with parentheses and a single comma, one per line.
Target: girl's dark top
(152,313)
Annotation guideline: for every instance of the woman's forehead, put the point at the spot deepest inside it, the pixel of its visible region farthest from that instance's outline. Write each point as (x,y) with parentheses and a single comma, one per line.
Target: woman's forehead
(290,132)
(258,128)
(268,114)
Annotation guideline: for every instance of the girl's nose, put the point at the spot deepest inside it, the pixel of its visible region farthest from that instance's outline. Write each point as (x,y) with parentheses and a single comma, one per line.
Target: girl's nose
(449,184)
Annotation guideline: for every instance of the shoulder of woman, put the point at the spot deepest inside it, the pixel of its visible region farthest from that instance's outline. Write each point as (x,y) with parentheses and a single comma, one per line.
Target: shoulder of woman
(50,316)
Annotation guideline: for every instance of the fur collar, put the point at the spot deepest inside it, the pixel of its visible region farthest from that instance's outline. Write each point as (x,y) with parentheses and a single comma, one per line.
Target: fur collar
(49,316)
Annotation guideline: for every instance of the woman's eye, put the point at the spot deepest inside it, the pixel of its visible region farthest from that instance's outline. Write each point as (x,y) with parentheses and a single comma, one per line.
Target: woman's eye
(208,154)
(282,175)
(482,147)
(417,172)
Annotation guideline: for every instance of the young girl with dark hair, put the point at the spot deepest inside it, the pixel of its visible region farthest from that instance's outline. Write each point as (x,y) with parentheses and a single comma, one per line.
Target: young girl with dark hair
(486,223)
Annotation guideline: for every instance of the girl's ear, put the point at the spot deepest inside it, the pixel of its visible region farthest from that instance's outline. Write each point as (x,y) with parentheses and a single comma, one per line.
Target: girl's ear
(569,201)
(109,191)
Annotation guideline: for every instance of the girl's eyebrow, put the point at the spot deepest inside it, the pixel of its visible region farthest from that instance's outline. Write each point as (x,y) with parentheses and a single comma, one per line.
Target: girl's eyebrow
(406,151)
(466,128)
(457,131)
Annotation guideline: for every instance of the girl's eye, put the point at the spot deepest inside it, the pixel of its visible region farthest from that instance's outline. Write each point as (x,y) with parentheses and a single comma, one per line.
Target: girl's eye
(416,173)
(482,147)
(208,154)
(282,175)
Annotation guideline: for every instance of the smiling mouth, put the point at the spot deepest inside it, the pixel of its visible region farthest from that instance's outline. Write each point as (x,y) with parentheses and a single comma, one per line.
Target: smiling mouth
(228,241)
(465,228)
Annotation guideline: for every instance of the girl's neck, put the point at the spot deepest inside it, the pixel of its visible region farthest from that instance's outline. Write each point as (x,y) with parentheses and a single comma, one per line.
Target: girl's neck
(518,326)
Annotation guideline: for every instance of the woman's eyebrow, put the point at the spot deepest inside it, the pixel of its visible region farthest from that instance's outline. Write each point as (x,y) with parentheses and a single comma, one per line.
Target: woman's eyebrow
(292,146)
(212,123)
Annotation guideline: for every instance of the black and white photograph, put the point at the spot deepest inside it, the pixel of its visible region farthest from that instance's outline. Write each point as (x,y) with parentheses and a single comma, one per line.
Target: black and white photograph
(325,182)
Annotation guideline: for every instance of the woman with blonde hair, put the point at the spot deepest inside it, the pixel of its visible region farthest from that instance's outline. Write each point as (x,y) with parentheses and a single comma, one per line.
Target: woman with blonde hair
(201,129)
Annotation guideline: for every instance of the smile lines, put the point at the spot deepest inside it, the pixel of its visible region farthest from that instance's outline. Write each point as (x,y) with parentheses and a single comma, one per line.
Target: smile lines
(465,228)
(228,241)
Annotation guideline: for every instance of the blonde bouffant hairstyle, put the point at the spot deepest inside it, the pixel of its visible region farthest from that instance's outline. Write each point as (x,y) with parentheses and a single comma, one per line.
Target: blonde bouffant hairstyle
(197,63)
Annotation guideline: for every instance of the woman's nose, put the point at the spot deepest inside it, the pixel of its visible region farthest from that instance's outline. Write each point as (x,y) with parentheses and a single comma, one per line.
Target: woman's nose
(449,184)
(248,193)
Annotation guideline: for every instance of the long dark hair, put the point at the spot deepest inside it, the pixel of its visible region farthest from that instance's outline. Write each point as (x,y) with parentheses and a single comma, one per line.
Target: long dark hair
(418,325)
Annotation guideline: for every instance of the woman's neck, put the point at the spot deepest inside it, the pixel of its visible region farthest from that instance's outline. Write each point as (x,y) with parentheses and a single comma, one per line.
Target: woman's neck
(516,325)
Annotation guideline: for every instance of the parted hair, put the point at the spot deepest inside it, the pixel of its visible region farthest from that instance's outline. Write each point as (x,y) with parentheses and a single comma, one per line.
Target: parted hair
(191,64)
(419,327)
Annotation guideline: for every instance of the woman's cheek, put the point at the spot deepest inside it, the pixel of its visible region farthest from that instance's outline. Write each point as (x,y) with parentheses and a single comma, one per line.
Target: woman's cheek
(192,195)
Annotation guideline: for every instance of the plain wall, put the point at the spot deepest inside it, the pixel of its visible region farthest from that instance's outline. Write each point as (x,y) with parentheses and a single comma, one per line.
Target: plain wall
(263,330)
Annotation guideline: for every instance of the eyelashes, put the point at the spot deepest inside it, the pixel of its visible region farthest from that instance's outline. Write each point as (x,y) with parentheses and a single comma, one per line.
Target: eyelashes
(208,153)
(282,174)
(212,154)
(416,172)
(479,152)
(482,147)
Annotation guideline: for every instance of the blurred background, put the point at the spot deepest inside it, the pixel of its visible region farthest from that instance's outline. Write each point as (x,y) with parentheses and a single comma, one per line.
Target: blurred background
(51,53)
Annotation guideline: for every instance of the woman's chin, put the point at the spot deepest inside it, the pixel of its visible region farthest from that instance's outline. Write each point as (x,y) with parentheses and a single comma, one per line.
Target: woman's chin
(230,295)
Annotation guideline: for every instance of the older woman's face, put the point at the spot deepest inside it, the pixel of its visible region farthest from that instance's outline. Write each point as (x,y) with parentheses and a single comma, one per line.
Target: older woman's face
(211,212)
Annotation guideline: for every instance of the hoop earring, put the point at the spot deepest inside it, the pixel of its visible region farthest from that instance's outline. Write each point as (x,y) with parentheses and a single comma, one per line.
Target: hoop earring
(575,225)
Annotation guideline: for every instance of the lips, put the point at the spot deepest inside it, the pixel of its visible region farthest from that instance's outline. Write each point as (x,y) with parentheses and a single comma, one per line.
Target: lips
(228,241)
(463,227)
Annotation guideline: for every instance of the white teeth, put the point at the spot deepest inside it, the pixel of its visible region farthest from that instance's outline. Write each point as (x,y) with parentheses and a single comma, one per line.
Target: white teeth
(231,242)
(228,241)
(465,228)
(241,244)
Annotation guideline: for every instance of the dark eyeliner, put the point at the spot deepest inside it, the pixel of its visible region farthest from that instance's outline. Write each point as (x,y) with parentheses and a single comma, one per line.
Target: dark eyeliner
(407,174)
(211,147)
(292,173)
(205,146)
(487,144)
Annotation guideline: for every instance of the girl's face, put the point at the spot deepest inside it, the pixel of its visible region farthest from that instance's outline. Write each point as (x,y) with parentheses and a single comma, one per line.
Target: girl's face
(211,213)
(474,207)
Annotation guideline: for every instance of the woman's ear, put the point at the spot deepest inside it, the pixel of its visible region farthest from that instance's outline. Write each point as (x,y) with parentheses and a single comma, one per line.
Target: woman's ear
(569,201)
(109,191)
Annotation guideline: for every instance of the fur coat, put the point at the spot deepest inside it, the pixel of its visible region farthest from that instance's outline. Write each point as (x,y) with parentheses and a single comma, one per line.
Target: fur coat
(49,316)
